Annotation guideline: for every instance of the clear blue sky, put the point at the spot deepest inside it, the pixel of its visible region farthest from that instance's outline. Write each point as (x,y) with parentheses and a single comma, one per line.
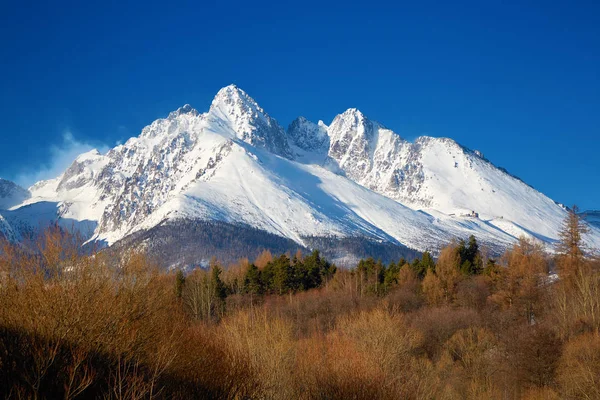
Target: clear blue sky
(518,81)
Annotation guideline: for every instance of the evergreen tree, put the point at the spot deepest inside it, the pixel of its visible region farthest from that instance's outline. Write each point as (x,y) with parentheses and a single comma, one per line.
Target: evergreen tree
(391,275)
(379,277)
(219,289)
(470,258)
(427,261)
(179,283)
(313,266)
(252,282)
(419,268)
(267,275)
(283,275)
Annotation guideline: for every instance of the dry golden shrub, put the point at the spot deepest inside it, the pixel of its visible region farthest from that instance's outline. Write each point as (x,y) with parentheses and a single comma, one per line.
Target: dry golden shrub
(474,357)
(438,324)
(332,368)
(576,303)
(369,355)
(579,368)
(72,308)
(268,346)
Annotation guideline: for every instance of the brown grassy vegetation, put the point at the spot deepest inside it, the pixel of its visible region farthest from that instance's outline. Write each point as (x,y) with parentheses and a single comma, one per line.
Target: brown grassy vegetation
(115,326)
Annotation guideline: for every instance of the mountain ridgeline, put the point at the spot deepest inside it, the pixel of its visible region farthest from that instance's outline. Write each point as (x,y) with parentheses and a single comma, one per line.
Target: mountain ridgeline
(232,180)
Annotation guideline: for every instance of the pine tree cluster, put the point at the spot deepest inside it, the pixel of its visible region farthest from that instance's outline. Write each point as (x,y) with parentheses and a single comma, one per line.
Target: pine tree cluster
(284,275)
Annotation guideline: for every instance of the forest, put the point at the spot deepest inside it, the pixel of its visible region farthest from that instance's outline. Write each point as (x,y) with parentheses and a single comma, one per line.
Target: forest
(453,324)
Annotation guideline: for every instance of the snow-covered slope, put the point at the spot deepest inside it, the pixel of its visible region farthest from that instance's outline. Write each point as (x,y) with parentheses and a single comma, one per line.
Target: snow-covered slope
(11,194)
(236,164)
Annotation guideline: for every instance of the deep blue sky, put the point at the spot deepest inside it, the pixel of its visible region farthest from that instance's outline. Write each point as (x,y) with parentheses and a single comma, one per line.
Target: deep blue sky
(520,82)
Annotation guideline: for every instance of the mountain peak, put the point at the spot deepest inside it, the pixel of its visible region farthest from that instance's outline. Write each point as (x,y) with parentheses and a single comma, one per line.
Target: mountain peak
(186,109)
(350,119)
(233,104)
(233,95)
(353,113)
(87,156)
(248,120)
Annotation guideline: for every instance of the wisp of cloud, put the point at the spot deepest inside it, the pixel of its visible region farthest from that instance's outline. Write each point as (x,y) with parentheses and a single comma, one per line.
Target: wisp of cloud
(61,156)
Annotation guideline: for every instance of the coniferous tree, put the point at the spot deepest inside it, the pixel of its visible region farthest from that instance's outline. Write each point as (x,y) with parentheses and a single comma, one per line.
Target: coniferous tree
(179,283)
(313,271)
(283,275)
(571,246)
(470,257)
(440,285)
(418,268)
(519,283)
(253,282)
(427,261)
(407,276)
(219,288)
(391,275)
(328,269)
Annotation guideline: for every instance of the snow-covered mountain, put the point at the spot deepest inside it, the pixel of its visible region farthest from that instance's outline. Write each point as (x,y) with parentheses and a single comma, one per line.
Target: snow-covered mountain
(592,217)
(11,194)
(236,165)
(436,174)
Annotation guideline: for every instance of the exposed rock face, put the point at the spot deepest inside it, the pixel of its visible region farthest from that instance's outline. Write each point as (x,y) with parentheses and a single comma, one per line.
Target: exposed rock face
(376,157)
(249,121)
(308,136)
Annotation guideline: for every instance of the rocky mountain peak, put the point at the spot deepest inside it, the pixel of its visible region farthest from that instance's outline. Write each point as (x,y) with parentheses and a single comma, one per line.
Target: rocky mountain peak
(248,121)
(186,109)
(307,135)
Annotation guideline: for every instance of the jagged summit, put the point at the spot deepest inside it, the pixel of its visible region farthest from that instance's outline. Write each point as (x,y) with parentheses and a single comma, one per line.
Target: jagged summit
(186,109)
(233,104)
(232,94)
(82,171)
(250,123)
(352,117)
(352,111)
